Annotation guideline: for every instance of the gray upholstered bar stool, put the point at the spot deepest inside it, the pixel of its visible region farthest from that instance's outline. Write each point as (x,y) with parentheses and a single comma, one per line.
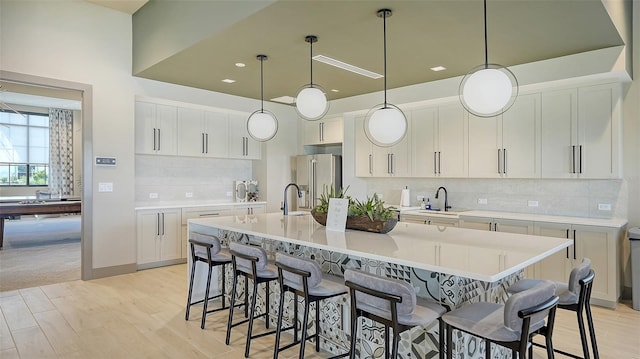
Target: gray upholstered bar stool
(511,325)
(251,263)
(390,302)
(303,278)
(206,249)
(575,296)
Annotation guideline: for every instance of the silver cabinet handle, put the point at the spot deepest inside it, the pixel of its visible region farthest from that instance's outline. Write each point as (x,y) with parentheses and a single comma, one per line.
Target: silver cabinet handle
(435,162)
(163,223)
(157,224)
(580,160)
(567,249)
(209,214)
(206,142)
(573,159)
(202,140)
(321,124)
(574,244)
(370,164)
(159,137)
(499,161)
(154,139)
(393,165)
(504,161)
(439,163)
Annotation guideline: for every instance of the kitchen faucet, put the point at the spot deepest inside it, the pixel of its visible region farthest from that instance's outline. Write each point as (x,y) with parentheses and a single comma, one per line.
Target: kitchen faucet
(446,199)
(285,207)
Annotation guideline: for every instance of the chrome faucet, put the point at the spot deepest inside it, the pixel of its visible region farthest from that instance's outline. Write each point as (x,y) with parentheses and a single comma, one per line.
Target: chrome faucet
(446,198)
(285,207)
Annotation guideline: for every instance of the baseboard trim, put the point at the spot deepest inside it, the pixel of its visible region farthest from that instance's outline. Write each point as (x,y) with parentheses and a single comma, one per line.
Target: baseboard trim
(111,271)
(161,263)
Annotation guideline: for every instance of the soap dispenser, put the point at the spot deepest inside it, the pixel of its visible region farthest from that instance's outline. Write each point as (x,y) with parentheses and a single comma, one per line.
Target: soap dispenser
(428,205)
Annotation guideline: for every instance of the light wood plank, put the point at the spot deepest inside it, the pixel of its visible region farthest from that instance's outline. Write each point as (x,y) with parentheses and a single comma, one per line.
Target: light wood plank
(16,313)
(60,334)
(32,343)
(6,341)
(36,300)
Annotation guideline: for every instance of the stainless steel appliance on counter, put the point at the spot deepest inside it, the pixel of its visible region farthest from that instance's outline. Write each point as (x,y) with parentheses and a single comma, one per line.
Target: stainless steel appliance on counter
(313,173)
(246,191)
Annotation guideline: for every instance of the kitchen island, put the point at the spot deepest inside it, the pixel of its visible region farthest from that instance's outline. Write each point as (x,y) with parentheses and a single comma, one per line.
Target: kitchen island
(450,265)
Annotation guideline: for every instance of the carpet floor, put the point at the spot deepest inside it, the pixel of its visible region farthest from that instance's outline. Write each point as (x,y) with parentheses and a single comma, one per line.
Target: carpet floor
(40,251)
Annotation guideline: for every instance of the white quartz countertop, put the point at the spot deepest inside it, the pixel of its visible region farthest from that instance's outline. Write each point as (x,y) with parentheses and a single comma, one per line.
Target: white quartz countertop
(194,204)
(601,222)
(480,255)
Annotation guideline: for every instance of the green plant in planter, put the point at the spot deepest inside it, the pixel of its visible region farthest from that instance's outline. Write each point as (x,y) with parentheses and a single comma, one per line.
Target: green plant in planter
(373,208)
(328,193)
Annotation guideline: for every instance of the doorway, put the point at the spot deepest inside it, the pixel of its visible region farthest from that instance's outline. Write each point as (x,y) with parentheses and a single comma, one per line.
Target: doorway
(56,90)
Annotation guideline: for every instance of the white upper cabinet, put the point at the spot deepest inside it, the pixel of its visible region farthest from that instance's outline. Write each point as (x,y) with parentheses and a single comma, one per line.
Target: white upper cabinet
(202,133)
(424,142)
(156,129)
(323,132)
(376,161)
(451,141)
(241,145)
(507,145)
(581,132)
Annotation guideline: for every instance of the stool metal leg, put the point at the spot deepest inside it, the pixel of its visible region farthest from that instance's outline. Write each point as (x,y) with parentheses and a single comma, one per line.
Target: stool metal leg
(318,326)
(295,317)
(206,297)
(305,321)
(193,272)
(592,332)
(251,318)
(266,309)
(583,334)
(232,305)
(449,344)
(276,350)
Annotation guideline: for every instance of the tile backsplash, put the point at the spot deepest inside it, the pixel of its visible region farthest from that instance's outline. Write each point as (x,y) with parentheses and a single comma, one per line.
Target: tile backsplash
(578,198)
(208,179)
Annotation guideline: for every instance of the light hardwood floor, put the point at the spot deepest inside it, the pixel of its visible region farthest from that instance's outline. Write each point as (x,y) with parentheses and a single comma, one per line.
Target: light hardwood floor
(141,315)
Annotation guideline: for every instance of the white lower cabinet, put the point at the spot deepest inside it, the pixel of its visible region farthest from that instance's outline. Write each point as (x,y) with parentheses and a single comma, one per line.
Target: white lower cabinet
(249,208)
(158,236)
(201,212)
(600,244)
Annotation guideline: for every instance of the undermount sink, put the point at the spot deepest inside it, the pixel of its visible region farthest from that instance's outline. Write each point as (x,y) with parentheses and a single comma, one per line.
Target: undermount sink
(447,213)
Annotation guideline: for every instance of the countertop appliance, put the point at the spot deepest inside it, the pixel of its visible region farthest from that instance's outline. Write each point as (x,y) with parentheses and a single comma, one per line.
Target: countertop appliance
(313,172)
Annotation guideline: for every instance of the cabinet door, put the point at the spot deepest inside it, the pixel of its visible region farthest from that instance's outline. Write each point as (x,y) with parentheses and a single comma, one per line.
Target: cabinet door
(333,131)
(559,119)
(191,133)
(513,226)
(557,266)
(170,232)
(400,157)
(148,237)
(483,147)
(241,145)
(145,123)
(452,141)
(312,130)
(167,125)
(363,150)
(216,134)
(443,222)
(596,140)
(521,138)
(424,150)
(599,245)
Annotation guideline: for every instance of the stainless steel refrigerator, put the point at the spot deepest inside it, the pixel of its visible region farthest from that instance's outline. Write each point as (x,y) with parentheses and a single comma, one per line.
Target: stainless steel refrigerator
(313,173)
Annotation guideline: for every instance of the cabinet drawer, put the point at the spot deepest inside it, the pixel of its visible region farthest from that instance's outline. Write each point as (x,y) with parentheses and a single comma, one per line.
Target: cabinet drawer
(205,212)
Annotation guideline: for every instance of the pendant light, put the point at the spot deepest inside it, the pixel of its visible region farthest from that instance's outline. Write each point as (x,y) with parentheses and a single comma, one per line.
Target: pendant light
(311,101)
(385,124)
(262,125)
(488,90)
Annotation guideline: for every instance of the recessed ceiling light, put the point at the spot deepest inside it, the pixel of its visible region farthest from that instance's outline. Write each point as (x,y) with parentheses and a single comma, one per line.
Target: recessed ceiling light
(335,90)
(284,99)
(240,64)
(438,68)
(345,66)
(229,81)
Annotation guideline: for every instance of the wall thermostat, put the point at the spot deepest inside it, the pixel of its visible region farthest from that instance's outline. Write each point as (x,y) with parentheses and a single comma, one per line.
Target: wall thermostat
(105,161)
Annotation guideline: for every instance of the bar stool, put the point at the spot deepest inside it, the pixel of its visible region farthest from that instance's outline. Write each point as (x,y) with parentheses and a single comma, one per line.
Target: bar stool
(206,249)
(302,277)
(575,296)
(511,325)
(251,263)
(390,302)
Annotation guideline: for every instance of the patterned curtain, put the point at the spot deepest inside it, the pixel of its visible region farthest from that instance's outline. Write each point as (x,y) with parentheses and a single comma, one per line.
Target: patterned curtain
(61,151)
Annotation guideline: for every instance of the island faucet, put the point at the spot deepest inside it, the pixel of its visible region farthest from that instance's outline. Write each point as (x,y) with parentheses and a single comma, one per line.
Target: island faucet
(285,207)
(446,198)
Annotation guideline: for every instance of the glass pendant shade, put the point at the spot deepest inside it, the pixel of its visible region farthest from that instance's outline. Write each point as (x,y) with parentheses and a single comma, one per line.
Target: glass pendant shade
(262,125)
(311,103)
(385,125)
(488,90)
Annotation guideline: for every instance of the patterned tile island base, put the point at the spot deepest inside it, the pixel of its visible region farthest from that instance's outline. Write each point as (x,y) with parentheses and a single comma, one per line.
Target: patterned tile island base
(335,331)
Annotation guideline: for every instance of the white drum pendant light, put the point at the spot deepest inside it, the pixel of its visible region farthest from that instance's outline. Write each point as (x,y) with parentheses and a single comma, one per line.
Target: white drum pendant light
(262,125)
(311,102)
(488,90)
(385,124)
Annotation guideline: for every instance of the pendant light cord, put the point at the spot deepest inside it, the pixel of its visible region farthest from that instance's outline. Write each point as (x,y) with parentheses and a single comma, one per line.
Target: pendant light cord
(311,62)
(261,85)
(384,35)
(486,46)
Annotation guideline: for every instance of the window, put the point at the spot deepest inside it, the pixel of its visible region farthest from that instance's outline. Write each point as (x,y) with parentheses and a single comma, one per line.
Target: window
(24,149)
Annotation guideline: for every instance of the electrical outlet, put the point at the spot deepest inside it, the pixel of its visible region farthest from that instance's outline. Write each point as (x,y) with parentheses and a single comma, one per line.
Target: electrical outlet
(229,194)
(532,203)
(188,194)
(482,201)
(419,198)
(604,207)
(105,187)
(153,195)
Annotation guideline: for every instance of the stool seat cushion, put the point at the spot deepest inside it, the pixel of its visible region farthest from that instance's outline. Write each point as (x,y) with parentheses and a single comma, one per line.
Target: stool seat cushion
(485,320)
(318,283)
(382,285)
(567,297)
(329,286)
(423,314)
(264,269)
